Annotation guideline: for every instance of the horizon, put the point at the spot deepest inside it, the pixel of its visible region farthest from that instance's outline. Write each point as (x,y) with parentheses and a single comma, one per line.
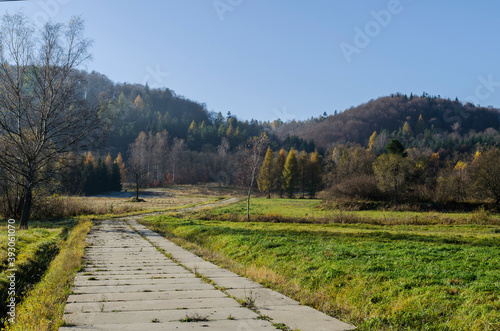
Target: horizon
(291,61)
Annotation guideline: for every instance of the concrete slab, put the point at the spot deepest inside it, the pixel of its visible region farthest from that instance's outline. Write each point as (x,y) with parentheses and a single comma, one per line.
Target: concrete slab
(304,318)
(235,283)
(264,297)
(237,324)
(128,284)
(145,316)
(142,288)
(150,305)
(141,281)
(139,296)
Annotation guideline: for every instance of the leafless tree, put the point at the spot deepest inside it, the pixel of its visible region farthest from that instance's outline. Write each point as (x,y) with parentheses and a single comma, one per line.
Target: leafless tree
(44,113)
(138,162)
(178,147)
(253,154)
(159,157)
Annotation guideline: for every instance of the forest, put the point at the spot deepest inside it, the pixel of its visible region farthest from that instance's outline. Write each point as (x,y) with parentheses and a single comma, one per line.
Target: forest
(152,137)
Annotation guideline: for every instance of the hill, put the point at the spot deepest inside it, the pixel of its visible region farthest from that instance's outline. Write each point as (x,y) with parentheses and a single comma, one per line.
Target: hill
(430,121)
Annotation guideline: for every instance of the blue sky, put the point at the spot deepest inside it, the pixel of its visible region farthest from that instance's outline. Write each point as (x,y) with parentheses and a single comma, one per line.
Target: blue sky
(266,59)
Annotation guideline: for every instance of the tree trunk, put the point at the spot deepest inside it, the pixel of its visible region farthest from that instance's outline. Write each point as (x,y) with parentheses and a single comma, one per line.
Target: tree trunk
(25,216)
(248,205)
(137,189)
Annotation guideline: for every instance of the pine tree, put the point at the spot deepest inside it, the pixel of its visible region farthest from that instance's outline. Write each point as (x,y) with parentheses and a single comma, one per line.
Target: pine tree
(267,175)
(102,177)
(280,166)
(115,180)
(290,173)
(395,147)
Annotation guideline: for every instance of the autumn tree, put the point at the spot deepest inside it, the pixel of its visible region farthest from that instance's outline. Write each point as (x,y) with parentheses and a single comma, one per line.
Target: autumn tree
(290,173)
(267,175)
(453,183)
(44,113)
(121,166)
(393,172)
(280,166)
(372,140)
(303,163)
(486,173)
(315,173)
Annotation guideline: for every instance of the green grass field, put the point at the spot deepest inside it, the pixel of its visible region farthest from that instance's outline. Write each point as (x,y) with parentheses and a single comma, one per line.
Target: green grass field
(377,277)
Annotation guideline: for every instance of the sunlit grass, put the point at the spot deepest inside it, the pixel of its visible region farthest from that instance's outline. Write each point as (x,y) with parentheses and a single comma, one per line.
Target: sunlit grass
(304,210)
(378,277)
(35,248)
(43,306)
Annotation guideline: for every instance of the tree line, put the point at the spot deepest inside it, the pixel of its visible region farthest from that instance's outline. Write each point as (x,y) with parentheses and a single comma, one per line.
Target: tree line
(402,174)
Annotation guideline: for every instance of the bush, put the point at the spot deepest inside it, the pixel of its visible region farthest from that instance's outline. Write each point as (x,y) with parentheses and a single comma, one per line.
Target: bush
(356,187)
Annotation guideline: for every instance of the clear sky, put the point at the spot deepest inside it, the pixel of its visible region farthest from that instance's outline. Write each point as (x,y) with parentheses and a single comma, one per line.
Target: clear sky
(291,59)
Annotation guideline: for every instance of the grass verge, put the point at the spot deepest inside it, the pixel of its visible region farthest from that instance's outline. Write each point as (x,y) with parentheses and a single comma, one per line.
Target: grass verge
(43,306)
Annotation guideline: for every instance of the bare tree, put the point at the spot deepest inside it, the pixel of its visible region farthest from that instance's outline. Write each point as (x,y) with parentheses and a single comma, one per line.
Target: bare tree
(138,162)
(178,147)
(252,156)
(43,110)
(159,157)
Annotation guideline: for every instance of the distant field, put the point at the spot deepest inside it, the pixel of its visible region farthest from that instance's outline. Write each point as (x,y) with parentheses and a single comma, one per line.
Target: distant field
(314,211)
(120,203)
(378,277)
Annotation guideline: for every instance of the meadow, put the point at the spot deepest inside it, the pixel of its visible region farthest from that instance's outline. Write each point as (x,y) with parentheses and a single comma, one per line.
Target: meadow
(377,270)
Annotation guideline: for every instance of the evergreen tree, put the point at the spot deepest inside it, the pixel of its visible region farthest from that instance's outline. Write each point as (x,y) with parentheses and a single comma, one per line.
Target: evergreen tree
(395,147)
(115,180)
(290,173)
(102,182)
(267,175)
